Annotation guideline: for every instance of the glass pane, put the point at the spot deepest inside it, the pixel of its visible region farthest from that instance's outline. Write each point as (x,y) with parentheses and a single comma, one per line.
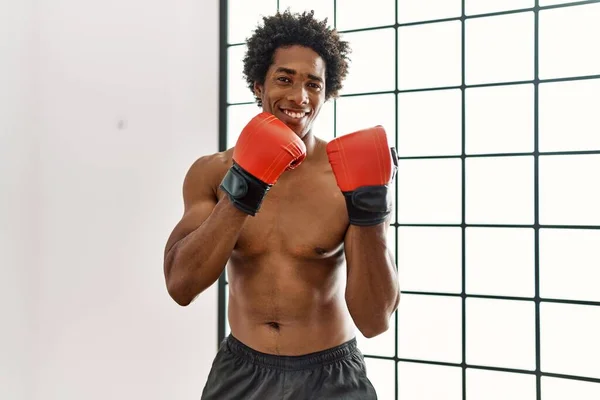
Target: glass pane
(561,389)
(499,48)
(501,333)
(423,381)
(569,107)
(567,37)
(430,328)
(237,118)
(322,8)
(429,55)
(580,250)
(427,10)
(500,261)
(482,7)
(243,16)
(237,88)
(568,193)
(430,191)
(372,67)
(323,124)
(354,14)
(391,239)
(430,123)
(569,339)
(359,112)
(499,190)
(499,119)
(430,259)
(494,385)
(382,374)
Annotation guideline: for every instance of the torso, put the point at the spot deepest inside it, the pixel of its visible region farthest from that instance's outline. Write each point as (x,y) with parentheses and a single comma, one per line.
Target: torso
(286,276)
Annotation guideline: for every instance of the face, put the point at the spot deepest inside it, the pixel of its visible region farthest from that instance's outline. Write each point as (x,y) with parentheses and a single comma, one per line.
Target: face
(294,88)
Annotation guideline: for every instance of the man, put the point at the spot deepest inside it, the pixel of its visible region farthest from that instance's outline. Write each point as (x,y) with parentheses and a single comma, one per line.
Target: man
(300,224)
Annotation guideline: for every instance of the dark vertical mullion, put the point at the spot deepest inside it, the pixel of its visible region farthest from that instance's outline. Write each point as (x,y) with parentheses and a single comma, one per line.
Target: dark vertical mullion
(334,118)
(334,100)
(536,225)
(396,127)
(463,206)
(335,14)
(223,24)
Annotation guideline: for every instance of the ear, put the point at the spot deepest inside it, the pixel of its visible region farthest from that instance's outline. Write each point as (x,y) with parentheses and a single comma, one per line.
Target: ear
(258,89)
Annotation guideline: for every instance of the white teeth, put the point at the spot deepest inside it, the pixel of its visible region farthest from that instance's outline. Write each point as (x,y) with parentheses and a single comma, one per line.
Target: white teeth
(294,114)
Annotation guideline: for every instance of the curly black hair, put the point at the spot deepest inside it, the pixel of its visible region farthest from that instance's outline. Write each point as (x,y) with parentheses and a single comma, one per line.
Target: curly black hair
(287,29)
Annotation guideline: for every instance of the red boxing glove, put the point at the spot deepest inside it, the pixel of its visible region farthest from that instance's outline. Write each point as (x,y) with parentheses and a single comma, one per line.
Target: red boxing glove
(364,166)
(264,150)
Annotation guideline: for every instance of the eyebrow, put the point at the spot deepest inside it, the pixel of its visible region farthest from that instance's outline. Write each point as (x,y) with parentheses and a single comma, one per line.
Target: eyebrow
(293,72)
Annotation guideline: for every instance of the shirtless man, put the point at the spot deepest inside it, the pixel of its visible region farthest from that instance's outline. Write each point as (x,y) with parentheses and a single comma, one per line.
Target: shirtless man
(300,225)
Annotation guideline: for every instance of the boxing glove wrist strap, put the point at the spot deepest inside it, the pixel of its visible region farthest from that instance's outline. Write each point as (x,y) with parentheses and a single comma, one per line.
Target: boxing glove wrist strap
(368,205)
(245,191)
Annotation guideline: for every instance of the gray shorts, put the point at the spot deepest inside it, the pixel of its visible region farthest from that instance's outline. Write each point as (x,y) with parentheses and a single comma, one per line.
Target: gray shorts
(241,373)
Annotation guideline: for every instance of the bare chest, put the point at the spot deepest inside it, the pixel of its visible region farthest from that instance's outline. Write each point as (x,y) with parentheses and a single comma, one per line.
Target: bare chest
(300,218)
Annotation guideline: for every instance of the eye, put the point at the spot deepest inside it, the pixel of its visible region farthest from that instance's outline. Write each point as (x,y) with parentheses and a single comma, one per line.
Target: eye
(284,79)
(315,86)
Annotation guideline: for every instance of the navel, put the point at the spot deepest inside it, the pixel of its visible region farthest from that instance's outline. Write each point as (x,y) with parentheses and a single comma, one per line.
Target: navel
(275,325)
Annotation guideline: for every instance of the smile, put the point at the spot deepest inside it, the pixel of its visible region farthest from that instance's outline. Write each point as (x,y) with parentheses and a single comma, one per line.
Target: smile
(294,114)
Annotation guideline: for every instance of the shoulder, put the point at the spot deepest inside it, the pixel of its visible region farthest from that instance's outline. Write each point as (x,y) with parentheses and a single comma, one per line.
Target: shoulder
(210,165)
(206,172)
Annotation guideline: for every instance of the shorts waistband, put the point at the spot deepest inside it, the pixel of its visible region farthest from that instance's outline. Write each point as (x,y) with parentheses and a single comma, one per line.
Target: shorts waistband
(290,363)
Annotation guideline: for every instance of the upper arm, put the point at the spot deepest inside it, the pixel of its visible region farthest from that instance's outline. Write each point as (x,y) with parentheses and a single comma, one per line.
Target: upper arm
(199,198)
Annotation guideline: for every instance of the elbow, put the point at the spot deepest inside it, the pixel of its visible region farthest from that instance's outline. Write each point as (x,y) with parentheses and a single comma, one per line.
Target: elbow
(374,328)
(182,301)
(176,289)
(378,324)
(177,294)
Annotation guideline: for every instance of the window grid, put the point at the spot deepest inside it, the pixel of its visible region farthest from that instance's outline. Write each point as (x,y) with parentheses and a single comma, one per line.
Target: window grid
(396,129)
(463,87)
(536,226)
(536,193)
(463,230)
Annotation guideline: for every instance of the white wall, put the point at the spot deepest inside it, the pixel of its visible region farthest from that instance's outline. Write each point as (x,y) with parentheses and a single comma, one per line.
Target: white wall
(18,204)
(126,99)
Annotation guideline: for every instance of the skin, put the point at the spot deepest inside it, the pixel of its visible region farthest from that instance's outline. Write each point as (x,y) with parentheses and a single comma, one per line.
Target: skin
(300,277)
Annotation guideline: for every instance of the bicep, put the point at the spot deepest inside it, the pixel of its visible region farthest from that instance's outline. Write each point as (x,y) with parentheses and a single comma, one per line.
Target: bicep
(191,220)
(199,201)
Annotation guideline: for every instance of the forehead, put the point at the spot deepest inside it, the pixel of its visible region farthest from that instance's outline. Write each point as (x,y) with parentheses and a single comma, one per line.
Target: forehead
(300,58)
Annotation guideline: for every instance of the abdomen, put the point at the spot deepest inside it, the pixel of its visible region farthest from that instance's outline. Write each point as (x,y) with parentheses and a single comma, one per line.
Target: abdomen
(274,302)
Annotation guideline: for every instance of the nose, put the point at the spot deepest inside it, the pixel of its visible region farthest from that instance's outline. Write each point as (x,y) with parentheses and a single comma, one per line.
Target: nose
(298,95)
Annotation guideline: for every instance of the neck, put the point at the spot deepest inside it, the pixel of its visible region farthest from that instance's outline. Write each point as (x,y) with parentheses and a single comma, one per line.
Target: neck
(315,148)
(311,144)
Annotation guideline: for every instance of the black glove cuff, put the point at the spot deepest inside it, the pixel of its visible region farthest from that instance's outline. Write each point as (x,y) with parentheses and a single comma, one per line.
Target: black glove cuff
(245,191)
(368,205)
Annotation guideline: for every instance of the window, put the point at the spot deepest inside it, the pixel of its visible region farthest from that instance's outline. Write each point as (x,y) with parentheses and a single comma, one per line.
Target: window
(493,107)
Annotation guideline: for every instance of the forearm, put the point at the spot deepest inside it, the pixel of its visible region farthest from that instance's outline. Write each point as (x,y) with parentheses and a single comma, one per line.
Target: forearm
(373,290)
(196,261)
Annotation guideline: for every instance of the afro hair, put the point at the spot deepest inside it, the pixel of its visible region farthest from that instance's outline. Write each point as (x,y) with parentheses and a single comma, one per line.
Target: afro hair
(288,29)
